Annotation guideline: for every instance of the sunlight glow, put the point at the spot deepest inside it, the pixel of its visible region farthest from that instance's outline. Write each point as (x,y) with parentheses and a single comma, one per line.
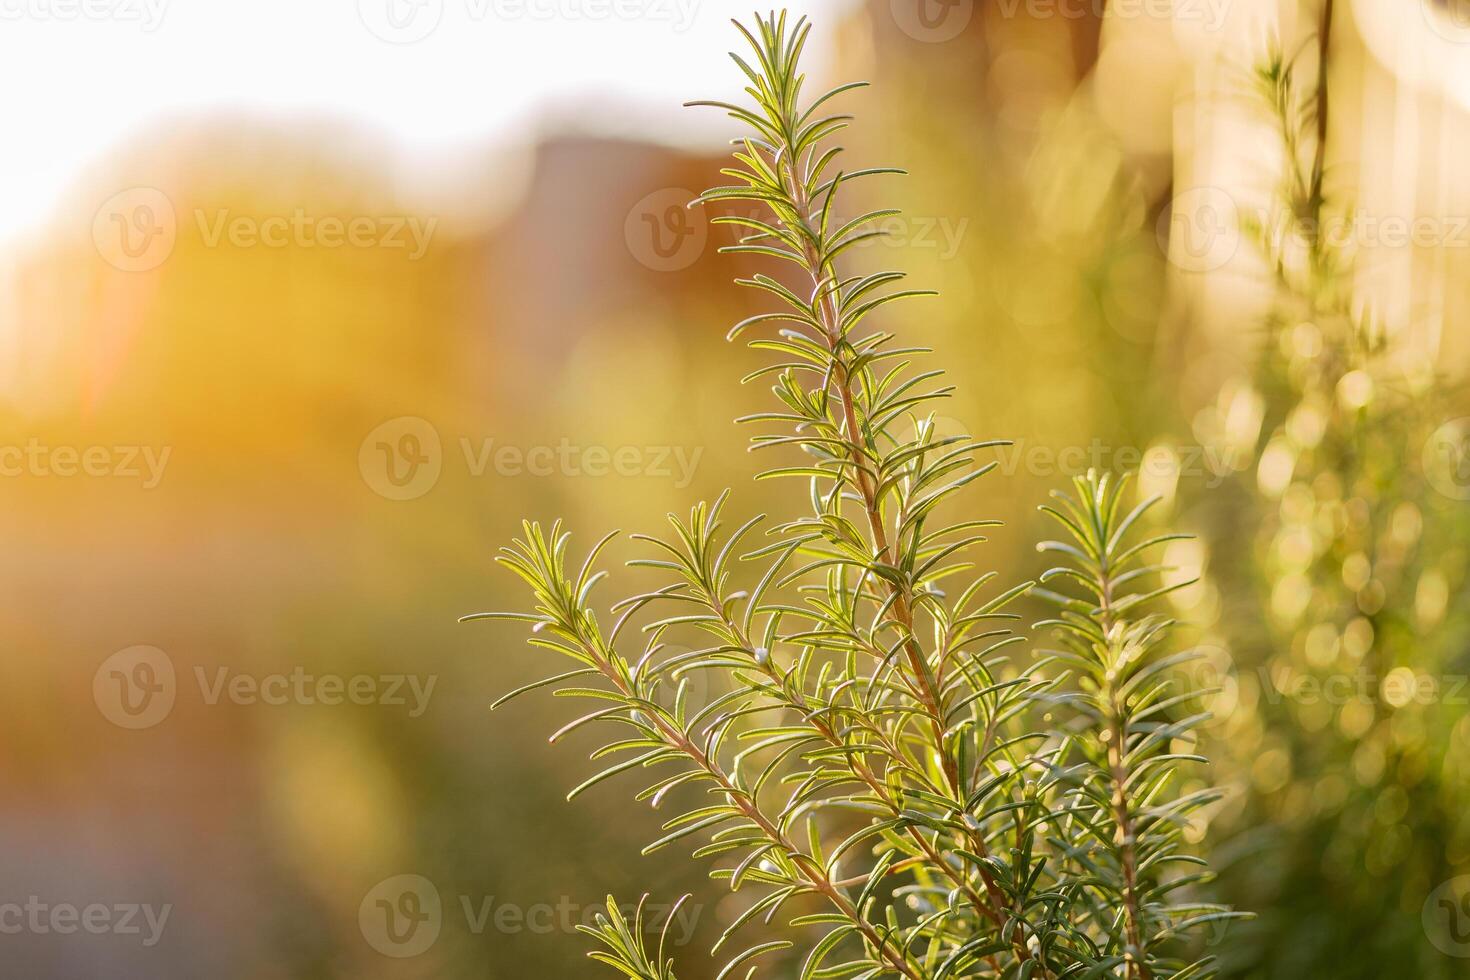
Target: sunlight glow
(84,76)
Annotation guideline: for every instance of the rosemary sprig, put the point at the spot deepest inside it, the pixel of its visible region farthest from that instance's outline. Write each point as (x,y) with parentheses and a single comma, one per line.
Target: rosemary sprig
(871,743)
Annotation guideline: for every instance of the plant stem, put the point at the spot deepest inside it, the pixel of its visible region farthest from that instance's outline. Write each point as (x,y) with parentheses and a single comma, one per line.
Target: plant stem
(821,271)
(1124,837)
(815,875)
(862,771)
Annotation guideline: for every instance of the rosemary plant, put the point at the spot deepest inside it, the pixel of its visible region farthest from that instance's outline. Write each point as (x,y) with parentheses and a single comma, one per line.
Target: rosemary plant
(1357,579)
(1120,820)
(882,771)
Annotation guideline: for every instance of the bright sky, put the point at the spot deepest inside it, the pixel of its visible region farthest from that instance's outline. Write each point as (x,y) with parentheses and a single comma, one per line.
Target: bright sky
(82,76)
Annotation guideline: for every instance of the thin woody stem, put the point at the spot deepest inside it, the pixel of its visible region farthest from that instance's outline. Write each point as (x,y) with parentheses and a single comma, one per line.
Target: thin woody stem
(864,772)
(1125,836)
(900,610)
(815,875)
